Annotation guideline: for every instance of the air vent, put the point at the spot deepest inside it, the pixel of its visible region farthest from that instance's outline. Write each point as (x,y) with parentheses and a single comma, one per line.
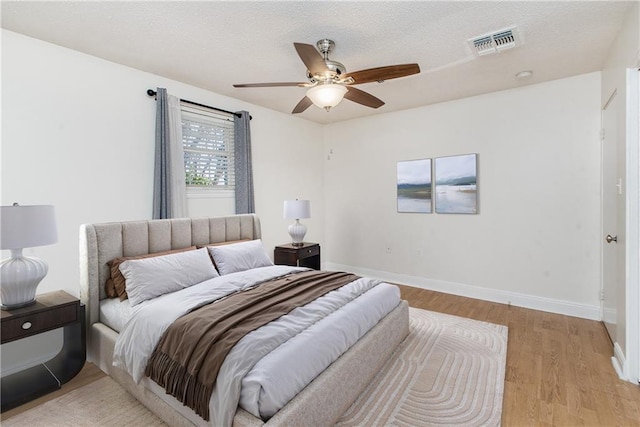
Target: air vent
(494,42)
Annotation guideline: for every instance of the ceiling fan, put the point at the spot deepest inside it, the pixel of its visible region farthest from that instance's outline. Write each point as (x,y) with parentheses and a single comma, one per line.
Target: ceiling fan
(329,81)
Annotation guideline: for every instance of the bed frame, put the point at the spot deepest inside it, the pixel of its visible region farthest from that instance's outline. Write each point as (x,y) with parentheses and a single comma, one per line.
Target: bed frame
(322,402)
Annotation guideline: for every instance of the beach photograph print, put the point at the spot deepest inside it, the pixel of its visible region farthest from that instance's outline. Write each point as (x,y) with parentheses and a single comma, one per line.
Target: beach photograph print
(456,184)
(414,186)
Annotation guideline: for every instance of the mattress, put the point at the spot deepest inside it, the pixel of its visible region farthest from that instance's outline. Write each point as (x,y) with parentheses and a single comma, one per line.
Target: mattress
(261,381)
(115,313)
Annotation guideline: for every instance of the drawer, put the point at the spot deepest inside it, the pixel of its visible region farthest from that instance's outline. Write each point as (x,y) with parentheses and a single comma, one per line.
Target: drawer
(281,257)
(310,251)
(31,324)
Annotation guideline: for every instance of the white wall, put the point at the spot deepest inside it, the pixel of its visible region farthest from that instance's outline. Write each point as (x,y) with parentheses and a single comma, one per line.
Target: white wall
(78,133)
(625,54)
(535,241)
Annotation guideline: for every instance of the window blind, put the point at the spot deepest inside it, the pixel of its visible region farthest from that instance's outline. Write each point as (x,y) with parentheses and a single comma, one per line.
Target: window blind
(208,137)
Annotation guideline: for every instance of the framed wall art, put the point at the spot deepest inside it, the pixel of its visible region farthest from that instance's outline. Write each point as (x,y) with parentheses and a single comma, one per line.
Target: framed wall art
(414,186)
(456,184)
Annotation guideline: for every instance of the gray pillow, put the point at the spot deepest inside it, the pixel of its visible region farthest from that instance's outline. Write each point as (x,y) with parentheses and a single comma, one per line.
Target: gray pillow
(151,277)
(239,256)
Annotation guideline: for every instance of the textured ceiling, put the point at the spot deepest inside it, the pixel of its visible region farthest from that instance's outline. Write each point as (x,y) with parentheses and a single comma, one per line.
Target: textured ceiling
(215,44)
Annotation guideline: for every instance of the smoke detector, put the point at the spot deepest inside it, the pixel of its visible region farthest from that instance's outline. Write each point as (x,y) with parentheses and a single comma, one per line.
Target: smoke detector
(495,42)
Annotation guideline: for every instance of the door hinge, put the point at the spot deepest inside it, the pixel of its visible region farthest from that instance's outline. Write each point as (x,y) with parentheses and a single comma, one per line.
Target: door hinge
(601,294)
(602,134)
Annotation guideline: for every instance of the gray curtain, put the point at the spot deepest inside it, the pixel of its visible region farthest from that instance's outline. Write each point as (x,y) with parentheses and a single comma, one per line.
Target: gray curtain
(169,189)
(244,174)
(161,174)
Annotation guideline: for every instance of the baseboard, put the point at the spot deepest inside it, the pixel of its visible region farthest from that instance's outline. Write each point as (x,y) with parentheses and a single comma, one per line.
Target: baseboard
(494,295)
(618,361)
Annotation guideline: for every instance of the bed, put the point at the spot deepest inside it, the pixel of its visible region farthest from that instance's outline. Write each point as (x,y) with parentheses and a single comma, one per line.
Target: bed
(321,402)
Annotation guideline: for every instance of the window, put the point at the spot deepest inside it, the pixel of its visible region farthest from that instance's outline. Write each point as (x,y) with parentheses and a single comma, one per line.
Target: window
(207,136)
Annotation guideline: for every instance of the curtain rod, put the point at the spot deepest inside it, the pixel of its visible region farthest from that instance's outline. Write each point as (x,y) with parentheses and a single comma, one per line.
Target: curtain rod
(152,92)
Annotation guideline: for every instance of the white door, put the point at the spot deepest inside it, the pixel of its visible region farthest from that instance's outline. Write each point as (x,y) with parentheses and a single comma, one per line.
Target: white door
(611,191)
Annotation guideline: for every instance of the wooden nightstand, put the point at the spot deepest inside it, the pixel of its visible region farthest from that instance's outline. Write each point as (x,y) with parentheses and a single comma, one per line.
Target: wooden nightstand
(307,255)
(51,311)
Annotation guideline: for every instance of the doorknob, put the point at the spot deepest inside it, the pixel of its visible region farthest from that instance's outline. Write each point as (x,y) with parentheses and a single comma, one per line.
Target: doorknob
(611,238)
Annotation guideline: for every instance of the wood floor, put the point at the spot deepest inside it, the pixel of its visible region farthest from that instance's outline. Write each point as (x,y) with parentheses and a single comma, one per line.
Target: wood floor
(559,370)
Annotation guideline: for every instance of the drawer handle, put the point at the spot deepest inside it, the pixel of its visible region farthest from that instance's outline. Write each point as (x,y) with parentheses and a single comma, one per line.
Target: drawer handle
(26,325)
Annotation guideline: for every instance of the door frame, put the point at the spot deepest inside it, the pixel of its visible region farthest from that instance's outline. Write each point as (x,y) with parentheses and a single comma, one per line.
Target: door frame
(632,139)
(618,357)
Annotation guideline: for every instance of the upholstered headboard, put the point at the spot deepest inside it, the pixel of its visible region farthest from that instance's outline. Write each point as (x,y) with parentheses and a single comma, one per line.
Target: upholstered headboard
(100,243)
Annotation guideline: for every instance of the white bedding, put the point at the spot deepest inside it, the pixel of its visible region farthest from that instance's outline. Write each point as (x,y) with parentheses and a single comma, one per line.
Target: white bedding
(115,313)
(270,368)
(283,373)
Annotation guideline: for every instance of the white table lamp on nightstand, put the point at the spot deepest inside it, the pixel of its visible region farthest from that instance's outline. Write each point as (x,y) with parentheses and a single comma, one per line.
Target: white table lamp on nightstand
(297,209)
(24,227)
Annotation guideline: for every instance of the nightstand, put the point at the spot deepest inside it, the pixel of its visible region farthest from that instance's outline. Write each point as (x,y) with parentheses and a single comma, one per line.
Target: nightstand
(307,255)
(51,311)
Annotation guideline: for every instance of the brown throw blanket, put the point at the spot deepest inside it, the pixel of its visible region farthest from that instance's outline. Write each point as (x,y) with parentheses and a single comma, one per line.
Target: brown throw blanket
(188,357)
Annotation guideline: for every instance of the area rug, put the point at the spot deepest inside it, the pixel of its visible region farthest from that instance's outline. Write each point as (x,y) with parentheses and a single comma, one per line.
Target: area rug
(449,371)
(102,403)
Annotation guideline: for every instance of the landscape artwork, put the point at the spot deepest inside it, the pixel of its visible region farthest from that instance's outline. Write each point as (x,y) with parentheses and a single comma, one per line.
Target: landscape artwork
(456,184)
(414,186)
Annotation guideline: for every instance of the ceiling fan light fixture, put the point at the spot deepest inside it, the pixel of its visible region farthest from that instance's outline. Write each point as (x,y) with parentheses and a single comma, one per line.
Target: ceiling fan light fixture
(326,96)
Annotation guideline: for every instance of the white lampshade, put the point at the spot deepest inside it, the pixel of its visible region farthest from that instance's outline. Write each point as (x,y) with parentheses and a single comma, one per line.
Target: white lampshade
(27,226)
(297,209)
(327,95)
(24,227)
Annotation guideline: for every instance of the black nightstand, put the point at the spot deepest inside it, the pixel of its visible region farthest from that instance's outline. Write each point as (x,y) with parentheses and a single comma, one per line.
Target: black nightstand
(51,311)
(307,255)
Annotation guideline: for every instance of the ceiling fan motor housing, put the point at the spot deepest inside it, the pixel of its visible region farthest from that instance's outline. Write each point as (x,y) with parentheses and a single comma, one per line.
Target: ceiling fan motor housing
(333,73)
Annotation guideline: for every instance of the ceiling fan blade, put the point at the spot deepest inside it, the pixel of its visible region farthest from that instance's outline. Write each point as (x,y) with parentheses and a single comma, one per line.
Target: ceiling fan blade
(362,97)
(299,84)
(302,105)
(311,58)
(383,73)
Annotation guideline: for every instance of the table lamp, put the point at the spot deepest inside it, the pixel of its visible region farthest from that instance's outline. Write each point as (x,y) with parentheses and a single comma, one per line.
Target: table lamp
(297,209)
(24,227)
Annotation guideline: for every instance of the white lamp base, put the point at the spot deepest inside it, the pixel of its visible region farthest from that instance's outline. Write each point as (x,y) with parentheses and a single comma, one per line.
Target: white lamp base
(19,279)
(297,232)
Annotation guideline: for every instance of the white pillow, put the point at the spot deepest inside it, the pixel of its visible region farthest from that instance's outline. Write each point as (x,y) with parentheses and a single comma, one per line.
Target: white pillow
(239,256)
(151,277)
